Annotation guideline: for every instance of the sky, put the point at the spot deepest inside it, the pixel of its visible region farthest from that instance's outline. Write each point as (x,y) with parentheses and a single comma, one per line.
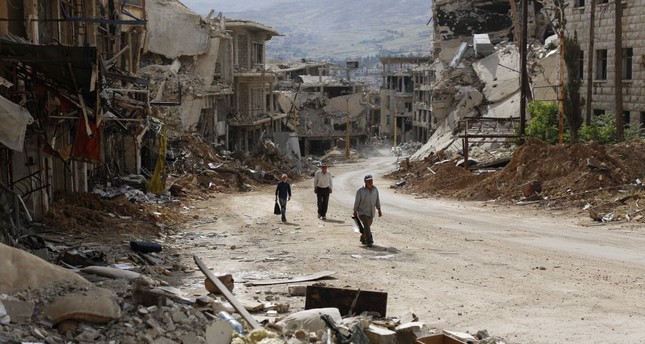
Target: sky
(204,6)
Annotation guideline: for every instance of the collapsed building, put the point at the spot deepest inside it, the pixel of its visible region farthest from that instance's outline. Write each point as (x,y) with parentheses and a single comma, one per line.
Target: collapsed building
(96,92)
(476,60)
(323,109)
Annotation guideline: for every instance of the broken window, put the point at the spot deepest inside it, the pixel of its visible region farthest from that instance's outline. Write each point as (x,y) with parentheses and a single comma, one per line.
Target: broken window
(579,3)
(258,50)
(627,118)
(601,64)
(598,112)
(642,119)
(628,55)
(603,1)
(256,100)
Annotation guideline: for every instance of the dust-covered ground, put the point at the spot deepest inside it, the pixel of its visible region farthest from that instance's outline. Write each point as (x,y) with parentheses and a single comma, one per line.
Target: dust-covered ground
(527,274)
(452,247)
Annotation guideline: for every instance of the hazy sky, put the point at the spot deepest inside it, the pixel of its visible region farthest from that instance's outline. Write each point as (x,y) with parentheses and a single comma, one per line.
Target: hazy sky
(204,6)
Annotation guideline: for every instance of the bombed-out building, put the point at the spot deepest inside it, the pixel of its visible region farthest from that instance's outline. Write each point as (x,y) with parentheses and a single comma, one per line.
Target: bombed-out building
(91,92)
(253,111)
(323,109)
(406,98)
(64,68)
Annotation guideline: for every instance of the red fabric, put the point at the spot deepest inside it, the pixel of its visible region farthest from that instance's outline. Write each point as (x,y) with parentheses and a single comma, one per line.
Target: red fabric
(87,148)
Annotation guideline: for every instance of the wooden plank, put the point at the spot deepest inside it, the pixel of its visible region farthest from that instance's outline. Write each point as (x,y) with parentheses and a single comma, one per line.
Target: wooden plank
(229,296)
(346,300)
(296,279)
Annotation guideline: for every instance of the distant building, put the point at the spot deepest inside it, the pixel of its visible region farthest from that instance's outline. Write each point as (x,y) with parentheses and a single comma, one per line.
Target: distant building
(405,101)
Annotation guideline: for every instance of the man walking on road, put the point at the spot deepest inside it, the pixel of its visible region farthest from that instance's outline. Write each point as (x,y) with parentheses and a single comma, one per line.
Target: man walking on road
(283,194)
(366,202)
(322,188)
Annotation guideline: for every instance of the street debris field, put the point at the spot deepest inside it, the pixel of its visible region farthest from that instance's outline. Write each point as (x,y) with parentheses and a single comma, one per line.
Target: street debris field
(604,181)
(108,279)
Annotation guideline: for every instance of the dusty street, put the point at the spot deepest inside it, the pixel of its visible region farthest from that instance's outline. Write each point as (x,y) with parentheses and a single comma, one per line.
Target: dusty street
(524,274)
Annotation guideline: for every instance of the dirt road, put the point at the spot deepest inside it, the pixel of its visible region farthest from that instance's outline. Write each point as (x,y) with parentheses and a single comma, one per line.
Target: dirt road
(524,274)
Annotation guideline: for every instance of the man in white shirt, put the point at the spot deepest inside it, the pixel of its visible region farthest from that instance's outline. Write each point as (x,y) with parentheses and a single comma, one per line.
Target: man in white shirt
(322,187)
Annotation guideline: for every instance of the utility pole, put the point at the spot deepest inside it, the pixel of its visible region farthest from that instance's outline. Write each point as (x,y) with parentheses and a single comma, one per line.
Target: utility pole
(592,26)
(523,73)
(618,71)
(348,129)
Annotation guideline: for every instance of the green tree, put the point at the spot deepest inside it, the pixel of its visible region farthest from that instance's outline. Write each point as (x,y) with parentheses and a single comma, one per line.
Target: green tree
(603,130)
(544,121)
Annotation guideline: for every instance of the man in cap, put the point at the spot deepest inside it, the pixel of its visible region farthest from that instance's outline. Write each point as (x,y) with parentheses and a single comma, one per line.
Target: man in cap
(322,187)
(365,205)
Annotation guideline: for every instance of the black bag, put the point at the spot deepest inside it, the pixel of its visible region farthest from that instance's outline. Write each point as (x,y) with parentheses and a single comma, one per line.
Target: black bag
(276,209)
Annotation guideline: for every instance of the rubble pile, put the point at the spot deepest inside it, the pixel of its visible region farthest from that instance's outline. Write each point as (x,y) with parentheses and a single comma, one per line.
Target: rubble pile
(587,175)
(90,214)
(118,305)
(197,167)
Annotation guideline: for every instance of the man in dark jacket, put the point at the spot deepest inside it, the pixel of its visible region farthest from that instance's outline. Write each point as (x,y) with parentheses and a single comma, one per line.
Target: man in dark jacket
(282,195)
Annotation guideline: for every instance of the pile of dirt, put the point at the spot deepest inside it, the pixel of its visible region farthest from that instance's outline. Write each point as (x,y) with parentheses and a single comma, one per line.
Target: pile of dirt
(560,169)
(435,175)
(589,172)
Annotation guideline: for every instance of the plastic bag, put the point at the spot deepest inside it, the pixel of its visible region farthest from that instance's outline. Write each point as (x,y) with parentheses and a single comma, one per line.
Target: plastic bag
(276,209)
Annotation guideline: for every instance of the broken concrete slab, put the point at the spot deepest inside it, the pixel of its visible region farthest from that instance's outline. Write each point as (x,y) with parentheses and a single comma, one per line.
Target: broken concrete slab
(499,72)
(19,311)
(309,320)
(22,270)
(95,305)
(219,332)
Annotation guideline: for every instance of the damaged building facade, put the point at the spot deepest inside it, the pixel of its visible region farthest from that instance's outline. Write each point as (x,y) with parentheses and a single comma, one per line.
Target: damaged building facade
(60,66)
(91,91)
(324,110)
(475,67)
(603,89)
(406,113)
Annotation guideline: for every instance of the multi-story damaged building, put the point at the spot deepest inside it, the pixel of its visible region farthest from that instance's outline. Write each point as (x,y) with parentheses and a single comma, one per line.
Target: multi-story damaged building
(323,109)
(476,62)
(423,122)
(63,68)
(405,98)
(90,91)
(253,110)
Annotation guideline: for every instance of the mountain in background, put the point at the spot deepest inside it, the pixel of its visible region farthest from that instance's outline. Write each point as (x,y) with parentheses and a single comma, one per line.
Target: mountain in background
(336,29)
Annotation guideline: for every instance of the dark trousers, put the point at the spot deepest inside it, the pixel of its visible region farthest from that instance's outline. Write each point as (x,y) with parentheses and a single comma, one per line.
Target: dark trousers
(283,208)
(323,201)
(366,237)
